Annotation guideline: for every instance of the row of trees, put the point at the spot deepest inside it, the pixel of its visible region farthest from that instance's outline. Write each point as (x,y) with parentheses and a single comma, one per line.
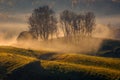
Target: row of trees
(43,23)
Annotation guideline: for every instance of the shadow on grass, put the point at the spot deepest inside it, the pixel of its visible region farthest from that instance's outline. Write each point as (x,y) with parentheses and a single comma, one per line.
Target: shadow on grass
(47,56)
(34,71)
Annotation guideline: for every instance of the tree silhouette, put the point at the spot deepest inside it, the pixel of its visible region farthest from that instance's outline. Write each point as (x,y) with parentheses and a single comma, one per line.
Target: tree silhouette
(89,23)
(77,24)
(43,23)
(67,19)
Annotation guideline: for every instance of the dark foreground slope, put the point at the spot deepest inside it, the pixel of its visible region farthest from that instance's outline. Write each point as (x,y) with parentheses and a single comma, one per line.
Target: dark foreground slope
(52,70)
(52,66)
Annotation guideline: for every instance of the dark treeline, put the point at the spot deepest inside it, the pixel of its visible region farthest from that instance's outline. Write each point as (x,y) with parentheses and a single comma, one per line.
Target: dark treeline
(43,24)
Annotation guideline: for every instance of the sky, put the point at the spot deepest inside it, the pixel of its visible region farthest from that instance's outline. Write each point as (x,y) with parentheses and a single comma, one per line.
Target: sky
(14,14)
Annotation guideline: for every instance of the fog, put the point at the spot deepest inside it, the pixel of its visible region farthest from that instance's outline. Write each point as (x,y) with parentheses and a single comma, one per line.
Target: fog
(14,18)
(87,45)
(10,31)
(103,31)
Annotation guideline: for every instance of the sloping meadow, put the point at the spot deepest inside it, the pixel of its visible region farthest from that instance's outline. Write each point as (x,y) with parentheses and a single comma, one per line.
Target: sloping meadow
(54,66)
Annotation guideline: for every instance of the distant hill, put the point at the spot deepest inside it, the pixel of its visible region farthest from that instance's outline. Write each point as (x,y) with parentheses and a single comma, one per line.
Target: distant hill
(109,48)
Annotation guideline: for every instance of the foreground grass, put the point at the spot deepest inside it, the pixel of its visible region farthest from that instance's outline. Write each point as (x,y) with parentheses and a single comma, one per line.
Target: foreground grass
(21,68)
(13,61)
(22,51)
(76,72)
(10,62)
(27,68)
(113,63)
(25,64)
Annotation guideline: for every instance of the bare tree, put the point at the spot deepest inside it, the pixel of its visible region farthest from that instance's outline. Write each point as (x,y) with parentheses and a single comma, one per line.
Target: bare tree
(89,23)
(67,19)
(77,25)
(43,22)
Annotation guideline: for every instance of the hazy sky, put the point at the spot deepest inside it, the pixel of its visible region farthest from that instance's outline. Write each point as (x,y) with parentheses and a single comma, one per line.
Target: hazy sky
(14,13)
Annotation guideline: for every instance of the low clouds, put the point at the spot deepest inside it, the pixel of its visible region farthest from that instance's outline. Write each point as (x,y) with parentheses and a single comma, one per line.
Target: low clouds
(16,18)
(11,30)
(4,16)
(116,1)
(12,25)
(8,2)
(75,2)
(17,10)
(115,20)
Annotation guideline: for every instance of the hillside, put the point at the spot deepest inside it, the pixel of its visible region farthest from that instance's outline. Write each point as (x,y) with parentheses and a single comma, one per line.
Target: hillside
(113,63)
(10,62)
(25,64)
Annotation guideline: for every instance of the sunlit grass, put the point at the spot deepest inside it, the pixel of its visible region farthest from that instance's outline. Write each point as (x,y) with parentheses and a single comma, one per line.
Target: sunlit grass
(13,61)
(113,63)
(65,65)
(67,68)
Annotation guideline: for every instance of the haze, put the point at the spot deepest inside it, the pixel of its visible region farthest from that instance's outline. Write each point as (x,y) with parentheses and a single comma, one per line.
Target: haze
(14,15)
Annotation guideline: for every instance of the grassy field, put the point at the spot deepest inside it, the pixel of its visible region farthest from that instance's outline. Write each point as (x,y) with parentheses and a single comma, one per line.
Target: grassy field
(113,63)
(10,62)
(88,60)
(26,64)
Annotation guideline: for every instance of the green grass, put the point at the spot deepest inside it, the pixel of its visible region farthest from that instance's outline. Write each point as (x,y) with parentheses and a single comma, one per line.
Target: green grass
(54,69)
(10,62)
(13,61)
(113,63)
(76,71)
(26,64)
(22,51)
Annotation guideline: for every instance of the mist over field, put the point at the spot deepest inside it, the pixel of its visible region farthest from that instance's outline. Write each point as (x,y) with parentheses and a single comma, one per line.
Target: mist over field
(59,39)
(9,38)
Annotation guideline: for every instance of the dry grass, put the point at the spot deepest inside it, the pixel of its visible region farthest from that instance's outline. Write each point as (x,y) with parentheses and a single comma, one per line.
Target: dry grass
(62,66)
(77,69)
(113,63)
(13,61)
